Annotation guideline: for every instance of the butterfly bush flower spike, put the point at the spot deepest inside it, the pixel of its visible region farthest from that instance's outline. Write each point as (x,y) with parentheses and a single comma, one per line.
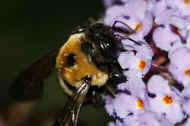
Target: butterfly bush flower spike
(155,58)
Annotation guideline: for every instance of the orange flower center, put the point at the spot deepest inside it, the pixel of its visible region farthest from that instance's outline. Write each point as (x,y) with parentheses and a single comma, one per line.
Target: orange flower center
(187,72)
(138,27)
(140,104)
(186,2)
(167,100)
(141,64)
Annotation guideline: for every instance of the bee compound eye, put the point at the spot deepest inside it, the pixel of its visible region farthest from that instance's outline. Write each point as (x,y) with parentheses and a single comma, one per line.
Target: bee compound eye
(71,60)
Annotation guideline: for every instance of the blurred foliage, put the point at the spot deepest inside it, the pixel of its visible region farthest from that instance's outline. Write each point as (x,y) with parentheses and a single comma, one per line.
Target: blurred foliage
(31,29)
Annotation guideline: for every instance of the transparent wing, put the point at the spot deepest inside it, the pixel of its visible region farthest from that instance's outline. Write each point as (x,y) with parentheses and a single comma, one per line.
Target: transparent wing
(69,115)
(29,84)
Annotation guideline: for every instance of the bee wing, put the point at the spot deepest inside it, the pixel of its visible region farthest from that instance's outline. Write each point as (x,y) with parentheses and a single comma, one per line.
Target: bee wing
(29,84)
(69,115)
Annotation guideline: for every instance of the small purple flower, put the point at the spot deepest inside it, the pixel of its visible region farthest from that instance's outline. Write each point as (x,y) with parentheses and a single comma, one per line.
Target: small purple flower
(131,100)
(166,103)
(142,50)
(146,119)
(182,5)
(157,7)
(125,105)
(135,85)
(164,17)
(135,63)
(140,20)
(140,57)
(168,39)
(143,119)
(180,65)
(113,13)
(131,8)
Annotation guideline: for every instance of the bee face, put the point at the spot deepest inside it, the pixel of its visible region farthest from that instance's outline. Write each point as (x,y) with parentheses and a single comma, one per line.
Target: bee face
(90,52)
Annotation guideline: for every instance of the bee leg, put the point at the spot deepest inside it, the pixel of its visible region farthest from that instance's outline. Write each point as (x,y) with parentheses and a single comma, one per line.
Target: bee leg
(127,30)
(95,98)
(116,75)
(111,90)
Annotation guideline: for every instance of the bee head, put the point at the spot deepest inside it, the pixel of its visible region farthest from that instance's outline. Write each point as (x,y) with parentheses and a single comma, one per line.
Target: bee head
(103,38)
(89,52)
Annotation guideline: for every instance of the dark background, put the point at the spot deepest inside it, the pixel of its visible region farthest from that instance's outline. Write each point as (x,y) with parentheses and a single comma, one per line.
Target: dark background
(31,29)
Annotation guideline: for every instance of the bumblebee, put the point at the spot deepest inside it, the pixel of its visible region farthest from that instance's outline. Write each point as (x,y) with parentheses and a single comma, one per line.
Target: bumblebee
(86,66)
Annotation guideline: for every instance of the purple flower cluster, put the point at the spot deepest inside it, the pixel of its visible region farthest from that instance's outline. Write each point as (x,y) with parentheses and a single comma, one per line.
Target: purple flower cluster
(157,66)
